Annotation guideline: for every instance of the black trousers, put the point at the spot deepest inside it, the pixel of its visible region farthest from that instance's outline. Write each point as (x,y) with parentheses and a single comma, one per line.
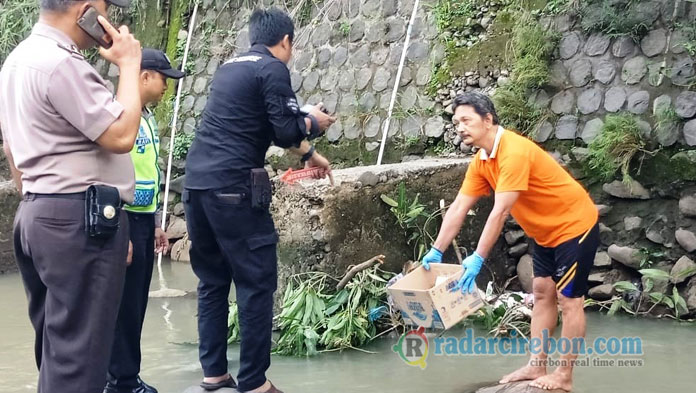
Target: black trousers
(125,352)
(73,283)
(233,241)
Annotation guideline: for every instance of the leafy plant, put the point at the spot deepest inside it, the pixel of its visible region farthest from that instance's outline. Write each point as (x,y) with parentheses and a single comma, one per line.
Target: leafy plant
(413,219)
(689,32)
(613,18)
(233,334)
(615,147)
(531,48)
(315,317)
(182,144)
(453,14)
(16,20)
(344,28)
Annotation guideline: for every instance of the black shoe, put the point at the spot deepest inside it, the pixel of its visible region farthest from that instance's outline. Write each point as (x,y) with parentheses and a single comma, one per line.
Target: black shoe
(228,383)
(144,388)
(141,388)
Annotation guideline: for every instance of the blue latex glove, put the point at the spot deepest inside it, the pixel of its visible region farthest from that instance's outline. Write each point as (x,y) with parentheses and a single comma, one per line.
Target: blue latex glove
(433,256)
(472,266)
(376,313)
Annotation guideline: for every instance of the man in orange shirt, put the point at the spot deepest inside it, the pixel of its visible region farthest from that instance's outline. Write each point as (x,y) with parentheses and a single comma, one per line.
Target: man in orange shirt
(552,208)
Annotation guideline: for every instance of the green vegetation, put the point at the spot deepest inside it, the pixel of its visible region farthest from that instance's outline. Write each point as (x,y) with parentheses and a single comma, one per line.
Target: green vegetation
(418,225)
(614,18)
(531,48)
(635,302)
(316,316)
(689,31)
(16,20)
(615,147)
(344,28)
(182,143)
(665,119)
(453,14)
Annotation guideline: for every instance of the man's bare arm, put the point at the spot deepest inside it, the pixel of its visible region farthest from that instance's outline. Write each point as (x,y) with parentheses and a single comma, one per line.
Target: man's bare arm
(16,174)
(494,225)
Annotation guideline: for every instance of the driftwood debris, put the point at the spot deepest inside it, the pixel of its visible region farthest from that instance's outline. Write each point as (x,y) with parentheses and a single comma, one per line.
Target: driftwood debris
(357,269)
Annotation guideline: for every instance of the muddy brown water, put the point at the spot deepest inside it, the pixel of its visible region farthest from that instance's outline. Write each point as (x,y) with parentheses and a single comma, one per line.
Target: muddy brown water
(170,360)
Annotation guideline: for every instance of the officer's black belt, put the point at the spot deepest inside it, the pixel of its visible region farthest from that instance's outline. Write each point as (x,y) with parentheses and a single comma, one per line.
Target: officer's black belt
(74,195)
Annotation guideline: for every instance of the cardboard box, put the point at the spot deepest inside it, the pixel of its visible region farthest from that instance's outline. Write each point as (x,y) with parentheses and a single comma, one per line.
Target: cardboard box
(422,303)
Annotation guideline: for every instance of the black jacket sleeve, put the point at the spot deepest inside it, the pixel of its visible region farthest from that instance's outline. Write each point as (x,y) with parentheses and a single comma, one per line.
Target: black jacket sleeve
(289,128)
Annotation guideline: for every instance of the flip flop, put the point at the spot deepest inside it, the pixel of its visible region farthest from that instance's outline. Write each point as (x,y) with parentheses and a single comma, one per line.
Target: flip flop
(228,383)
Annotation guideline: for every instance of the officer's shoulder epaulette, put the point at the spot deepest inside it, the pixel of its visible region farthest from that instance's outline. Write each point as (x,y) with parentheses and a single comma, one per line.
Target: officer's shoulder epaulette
(72,50)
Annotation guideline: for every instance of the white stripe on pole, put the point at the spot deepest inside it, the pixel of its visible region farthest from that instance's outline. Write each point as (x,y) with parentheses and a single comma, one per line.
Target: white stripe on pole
(385,130)
(192,24)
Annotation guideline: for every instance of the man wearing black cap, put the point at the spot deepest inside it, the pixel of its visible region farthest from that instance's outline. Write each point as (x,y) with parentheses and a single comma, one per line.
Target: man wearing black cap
(147,237)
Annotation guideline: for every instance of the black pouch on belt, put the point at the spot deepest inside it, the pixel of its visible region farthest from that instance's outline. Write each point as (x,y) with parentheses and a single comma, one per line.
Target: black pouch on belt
(102,211)
(260,189)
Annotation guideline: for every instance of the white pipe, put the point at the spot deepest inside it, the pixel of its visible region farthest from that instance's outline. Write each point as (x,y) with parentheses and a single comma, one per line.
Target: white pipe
(385,131)
(192,24)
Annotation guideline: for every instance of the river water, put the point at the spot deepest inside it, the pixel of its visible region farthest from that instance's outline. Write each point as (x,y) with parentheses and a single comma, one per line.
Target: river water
(170,360)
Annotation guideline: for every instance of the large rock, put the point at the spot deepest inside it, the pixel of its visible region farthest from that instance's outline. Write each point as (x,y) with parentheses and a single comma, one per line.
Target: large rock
(634,70)
(597,277)
(567,127)
(632,223)
(654,43)
(614,99)
(690,132)
(597,44)
(682,71)
(690,296)
(435,127)
(623,46)
(638,102)
(604,210)
(628,256)
(662,103)
(525,273)
(563,102)
(633,190)
(591,130)
(177,185)
(590,100)
(604,71)
(181,250)
(176,229)
(569,44)
(686,239)
(518,250)
(682,270)
(581,72)
(602,259)
(667,133)
(685,105)
(513,237)
(602,292)
(687,205)
(545,130)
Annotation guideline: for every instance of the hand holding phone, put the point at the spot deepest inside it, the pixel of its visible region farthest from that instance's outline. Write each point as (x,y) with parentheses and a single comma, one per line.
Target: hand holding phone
(125,50)
(89,23)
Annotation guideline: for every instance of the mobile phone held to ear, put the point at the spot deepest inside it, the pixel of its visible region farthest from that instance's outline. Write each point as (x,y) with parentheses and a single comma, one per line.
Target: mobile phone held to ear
(90,24)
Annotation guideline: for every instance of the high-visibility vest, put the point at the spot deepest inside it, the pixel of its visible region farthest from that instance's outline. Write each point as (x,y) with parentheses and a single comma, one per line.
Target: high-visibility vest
(145,156)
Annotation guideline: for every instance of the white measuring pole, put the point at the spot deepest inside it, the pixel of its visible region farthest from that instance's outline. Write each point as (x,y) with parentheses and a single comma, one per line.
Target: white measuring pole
(385,131)
(192,24)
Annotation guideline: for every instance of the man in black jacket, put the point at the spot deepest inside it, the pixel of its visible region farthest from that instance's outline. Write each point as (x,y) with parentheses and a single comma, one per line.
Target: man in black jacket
(227,196)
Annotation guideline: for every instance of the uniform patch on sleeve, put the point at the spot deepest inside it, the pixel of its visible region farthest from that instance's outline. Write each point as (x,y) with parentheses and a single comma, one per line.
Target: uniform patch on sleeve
(291,103)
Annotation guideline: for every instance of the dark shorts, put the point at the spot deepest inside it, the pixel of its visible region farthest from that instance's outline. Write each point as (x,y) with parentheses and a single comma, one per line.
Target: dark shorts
(569,263)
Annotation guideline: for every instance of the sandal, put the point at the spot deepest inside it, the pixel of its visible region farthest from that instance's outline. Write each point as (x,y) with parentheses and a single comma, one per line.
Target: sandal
(228,383)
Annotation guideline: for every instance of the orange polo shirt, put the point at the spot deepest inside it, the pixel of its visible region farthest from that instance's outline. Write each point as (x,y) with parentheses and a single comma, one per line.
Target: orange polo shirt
(552,207)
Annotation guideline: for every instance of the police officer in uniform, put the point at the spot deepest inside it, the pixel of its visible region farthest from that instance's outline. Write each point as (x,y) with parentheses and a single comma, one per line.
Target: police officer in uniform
(144,221)
(227,196)
(65,132)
